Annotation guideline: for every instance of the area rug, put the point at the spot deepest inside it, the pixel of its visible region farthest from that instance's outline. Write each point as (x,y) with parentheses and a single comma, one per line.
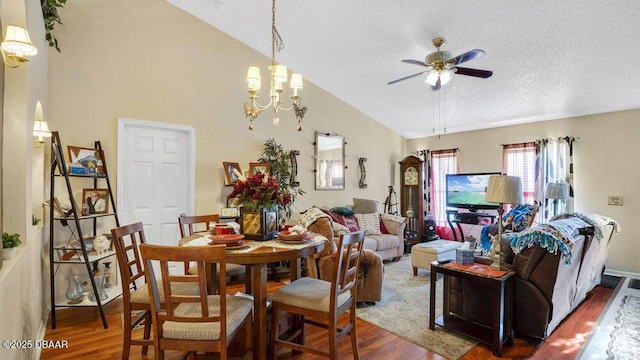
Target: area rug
(616,334)
(404,311)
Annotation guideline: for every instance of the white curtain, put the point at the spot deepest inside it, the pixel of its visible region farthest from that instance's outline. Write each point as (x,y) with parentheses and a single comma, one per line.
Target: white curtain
(554,164)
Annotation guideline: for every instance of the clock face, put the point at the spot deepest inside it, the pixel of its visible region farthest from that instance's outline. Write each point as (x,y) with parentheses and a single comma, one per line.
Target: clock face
(411,176)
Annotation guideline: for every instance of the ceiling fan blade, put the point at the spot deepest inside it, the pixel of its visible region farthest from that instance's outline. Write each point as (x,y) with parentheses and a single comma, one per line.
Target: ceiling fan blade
(415,62)
(469,55)
(474,72)
(405,78)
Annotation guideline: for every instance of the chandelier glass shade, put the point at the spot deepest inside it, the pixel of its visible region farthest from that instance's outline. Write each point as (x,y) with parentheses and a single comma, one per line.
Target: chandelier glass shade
(278,75)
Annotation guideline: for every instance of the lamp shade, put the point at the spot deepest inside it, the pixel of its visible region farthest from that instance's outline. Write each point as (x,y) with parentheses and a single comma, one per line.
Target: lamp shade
(17,42)
(296,81)
(557,191)
(504,189)
(41,129)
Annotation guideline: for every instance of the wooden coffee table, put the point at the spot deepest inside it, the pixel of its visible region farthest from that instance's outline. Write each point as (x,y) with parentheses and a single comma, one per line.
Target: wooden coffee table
(497,281)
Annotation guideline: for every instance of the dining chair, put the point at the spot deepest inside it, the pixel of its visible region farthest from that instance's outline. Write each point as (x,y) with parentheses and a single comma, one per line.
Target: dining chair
(190,225)
(320,303)
(136,301)
(205,323)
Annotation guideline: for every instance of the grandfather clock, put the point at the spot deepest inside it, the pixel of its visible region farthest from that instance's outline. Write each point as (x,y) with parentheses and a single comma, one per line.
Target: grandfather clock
(411,197)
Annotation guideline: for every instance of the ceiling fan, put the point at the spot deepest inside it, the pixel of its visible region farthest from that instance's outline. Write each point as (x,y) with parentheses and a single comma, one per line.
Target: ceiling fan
(440,66)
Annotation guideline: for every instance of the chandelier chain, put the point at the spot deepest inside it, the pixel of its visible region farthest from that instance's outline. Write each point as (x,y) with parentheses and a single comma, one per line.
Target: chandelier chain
(276,39)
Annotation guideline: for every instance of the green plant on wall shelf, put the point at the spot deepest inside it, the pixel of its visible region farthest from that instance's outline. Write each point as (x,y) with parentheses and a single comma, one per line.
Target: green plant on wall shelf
(10,241)
(280,168)
(51,17)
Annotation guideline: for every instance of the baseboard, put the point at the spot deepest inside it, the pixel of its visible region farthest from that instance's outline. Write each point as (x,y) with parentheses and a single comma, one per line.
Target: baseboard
(41,333)
(631,275)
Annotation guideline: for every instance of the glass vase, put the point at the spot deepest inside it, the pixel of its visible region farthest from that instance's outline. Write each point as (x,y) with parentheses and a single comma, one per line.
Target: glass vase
(107,274)
(74,289)
(99,281)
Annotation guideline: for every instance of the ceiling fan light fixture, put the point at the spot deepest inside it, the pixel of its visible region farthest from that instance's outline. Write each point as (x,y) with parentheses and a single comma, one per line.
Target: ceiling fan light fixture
(438,56)
(432,78)
(445,76)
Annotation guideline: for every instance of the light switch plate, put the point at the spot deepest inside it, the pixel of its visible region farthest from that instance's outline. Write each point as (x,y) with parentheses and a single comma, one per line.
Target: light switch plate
(614,200)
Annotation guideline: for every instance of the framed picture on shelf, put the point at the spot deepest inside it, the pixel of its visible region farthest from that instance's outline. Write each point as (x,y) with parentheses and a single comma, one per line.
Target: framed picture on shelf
(85,161)
(259,168)
(94,201)
(231,177)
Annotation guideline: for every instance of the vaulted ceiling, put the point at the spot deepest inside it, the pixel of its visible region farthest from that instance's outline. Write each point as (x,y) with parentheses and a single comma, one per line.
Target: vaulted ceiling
(550,59)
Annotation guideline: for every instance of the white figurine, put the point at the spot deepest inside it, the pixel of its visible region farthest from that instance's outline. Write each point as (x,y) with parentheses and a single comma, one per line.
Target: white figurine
(101,244)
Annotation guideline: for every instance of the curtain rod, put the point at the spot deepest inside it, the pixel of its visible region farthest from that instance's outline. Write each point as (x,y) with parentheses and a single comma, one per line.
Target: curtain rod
(426,151)
(551,139)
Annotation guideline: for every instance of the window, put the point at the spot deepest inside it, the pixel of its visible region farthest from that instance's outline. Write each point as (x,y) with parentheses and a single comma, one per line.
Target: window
(520,160)
(443,162)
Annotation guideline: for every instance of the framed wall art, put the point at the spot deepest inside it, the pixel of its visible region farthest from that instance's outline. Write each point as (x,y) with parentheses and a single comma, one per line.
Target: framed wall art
(259,168)
(95,201)
(85,161)
(230,176)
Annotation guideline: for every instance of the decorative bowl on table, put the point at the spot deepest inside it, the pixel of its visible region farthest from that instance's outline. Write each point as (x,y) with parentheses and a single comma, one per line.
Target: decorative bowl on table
(285,235)
(226,239)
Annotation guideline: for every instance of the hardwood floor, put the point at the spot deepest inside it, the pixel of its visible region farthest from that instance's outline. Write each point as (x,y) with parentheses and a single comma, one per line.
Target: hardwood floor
(82,328)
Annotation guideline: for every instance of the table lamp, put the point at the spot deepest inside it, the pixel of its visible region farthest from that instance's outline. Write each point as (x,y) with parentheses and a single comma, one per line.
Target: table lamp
(502,189)
(557,191)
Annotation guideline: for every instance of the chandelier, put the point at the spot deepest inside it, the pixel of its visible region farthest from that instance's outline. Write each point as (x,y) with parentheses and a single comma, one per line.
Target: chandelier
(278,78)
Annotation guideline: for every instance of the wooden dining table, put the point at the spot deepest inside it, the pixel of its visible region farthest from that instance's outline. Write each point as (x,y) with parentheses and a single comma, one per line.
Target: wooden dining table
(256,256)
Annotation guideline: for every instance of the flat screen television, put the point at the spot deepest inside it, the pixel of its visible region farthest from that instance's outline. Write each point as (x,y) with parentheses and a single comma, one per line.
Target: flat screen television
(466,191)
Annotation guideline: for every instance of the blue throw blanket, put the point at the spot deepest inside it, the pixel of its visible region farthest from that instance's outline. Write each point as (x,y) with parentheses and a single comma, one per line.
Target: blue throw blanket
(520,219)
(556,236)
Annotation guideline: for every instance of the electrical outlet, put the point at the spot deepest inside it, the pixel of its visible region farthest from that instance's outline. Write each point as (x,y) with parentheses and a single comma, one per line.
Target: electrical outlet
(614,200)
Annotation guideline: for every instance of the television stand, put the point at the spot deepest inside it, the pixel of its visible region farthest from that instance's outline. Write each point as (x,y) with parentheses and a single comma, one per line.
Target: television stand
(473,218)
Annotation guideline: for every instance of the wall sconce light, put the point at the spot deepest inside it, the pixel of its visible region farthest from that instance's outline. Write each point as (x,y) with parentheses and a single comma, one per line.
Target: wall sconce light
(16,46)
(40,127)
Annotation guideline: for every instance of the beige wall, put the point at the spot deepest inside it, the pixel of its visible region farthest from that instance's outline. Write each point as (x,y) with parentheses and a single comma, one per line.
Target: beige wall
(22,280)
(149,60)
(605,163)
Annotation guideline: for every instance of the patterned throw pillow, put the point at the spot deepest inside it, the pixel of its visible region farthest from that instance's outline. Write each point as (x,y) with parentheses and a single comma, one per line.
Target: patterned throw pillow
(335,217)
(393,222)
(383,228)
(370,223)
(342,210)
(351,222)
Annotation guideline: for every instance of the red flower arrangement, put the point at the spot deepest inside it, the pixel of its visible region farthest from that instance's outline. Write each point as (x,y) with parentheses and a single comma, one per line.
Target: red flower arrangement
(259,191)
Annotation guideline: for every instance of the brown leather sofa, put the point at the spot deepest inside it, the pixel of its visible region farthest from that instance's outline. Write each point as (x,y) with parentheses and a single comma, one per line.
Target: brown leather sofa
(546,288)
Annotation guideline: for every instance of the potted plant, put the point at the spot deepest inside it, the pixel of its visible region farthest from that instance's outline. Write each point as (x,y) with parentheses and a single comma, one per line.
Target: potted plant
(280,168)
(9,245)
(259,197)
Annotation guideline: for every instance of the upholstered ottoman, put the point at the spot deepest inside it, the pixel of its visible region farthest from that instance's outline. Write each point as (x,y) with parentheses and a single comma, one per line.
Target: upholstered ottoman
(423,254)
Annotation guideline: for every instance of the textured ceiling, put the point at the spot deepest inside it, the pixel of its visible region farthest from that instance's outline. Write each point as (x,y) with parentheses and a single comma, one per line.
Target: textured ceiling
(550,59)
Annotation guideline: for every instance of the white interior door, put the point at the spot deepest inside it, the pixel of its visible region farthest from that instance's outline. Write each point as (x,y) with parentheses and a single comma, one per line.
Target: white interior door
(156,177)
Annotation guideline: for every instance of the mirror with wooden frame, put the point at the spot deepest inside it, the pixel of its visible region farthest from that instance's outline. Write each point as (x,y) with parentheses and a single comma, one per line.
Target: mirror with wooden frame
(330,163)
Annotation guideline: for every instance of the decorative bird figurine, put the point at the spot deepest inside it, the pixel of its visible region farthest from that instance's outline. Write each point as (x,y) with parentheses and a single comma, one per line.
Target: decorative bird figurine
(252,113)
(300,111)
(101,244)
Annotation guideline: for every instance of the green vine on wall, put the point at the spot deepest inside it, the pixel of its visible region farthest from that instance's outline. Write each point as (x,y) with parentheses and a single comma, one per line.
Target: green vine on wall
(51,18)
